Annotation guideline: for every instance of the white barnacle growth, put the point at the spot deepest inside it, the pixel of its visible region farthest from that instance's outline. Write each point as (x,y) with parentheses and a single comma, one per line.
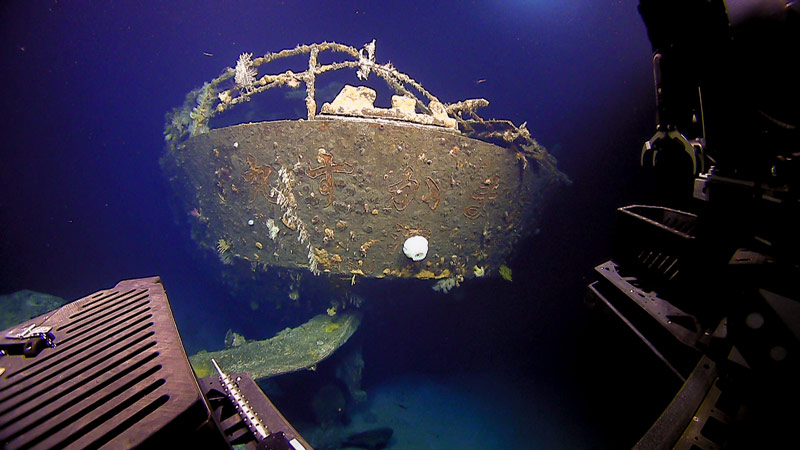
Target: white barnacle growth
(416,248)
(273,229)
(245,74)
(288,204)
(445,285)
(224,97)
(366,58)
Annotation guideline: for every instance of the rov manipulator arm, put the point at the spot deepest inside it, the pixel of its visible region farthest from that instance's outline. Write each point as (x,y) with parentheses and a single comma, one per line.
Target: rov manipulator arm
(706,277)
(726,92)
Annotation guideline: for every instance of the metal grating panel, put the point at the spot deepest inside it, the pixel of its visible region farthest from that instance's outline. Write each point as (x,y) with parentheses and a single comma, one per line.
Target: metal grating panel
(117,376)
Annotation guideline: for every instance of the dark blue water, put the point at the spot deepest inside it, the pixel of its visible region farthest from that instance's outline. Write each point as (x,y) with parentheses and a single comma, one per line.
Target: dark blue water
(83,91)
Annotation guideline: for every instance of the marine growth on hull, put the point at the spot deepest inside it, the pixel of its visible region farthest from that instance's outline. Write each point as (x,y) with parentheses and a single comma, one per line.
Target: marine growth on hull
(422,189)
(341,190)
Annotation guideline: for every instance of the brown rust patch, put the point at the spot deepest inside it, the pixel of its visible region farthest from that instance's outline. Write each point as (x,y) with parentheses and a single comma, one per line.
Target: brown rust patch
(258,177)
(404,191)
(326,171)
(434,194)
(486,191)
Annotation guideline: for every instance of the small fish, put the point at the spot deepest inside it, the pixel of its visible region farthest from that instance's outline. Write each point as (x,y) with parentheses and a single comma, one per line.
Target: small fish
(208,54)
(482,80)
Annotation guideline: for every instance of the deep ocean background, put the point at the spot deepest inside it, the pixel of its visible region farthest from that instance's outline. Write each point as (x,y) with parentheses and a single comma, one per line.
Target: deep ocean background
(83,91)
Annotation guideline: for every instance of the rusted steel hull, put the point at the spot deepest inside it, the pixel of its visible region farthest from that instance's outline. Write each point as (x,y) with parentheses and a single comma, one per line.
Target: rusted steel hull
(360,188)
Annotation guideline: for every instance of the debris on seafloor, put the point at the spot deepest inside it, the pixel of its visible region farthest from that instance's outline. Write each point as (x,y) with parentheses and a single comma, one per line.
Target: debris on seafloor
(328,405)
(233,339)
(288,351)
(374,439)
(350,371)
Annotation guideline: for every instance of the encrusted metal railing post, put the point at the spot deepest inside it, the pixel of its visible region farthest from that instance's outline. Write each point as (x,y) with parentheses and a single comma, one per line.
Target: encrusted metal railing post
(218,96)
(311,104)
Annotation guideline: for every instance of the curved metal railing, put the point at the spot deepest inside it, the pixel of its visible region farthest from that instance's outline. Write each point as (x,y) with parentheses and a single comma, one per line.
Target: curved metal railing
(210,99)
(220,95)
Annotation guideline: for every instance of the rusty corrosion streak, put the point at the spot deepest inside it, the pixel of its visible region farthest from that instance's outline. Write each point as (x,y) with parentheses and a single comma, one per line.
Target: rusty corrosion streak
(434,194)
(474,211)
(258,176)
(486,191)
(327,169)
(403,192)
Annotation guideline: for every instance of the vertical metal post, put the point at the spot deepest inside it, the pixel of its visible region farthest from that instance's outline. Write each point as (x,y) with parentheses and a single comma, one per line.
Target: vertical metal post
(311,104)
